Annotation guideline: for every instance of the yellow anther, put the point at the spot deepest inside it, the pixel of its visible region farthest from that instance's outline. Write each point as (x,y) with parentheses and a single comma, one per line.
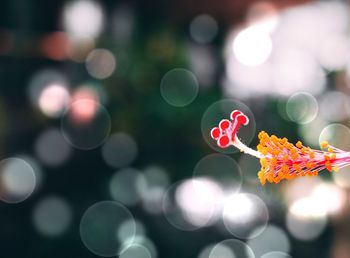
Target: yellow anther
(299,144)
(330,149)
(324,144)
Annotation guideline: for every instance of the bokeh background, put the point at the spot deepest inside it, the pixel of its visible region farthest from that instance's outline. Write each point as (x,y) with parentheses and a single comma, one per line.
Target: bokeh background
(106,108)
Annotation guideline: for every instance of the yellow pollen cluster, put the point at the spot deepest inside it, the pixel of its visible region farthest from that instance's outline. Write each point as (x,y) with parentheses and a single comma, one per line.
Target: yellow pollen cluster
(283,160)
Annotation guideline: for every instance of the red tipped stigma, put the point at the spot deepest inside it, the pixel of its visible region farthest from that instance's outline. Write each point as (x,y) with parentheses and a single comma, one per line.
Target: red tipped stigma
(279,158)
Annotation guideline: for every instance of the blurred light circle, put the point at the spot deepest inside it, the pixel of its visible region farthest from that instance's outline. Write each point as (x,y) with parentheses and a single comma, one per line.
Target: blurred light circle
(342,177)
(222,170)
(335,106)
(83,18)
(51,148)
(302,107)
(152,176)
(295,70)
(48,91)
(203,28)
(18,180)
(276,254)
(221,110)
(272,238)
(179,87)
(145,242)
(54,99)
(100,63)
(301,187)
(134,251)
(252,46)
(151,186)
(99,226)
(122,186)
(152,200)
(127,227)
(80,47)
(186,208)
(333,52)
(305,228)
(337,135)
(245,215)
(331,196)
(231,248)
(205,252)
(34,164)
(52,216)
(250,166)
(310,132)
(119,150)
(86,124)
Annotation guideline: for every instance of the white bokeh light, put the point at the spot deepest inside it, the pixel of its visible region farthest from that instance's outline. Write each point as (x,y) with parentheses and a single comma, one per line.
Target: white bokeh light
(252,46)
(83,18)
(52,216)
(54,99)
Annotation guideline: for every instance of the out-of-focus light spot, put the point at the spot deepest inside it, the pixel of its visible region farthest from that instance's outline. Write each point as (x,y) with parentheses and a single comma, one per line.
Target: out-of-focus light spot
(335,106)
(86,124)
(203,28)
(54,99)
(307,26)
(252,46)
(51,148)
(306,220)
(56,46)
(205,252)
(302,107)
(52,216)
(275,254)
(145,242)
(203,64)
(48,91)
(179,87)
(136,250)
(100,63)
(220,169)
(122,186)
(151,186)
(272,238)
(198,198)
(80,48)
(152,200)
(17,179)
(128,227)
(243,214)
(338,135)
(333,52)
(296,70)
(177,211)
(301,187)
(264,14)
(220,109)
(103,219)
(119,150)
(310,132)
(330,196)
(85,92)
(36,168)
(231,248)
(83,18)
(152,176)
